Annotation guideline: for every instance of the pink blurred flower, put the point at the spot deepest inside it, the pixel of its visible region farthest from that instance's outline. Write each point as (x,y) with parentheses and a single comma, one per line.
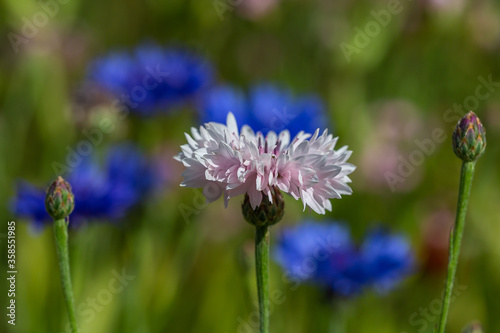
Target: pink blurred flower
(226,163)
(255,9)
(448,6)
(396,125)
(484,26)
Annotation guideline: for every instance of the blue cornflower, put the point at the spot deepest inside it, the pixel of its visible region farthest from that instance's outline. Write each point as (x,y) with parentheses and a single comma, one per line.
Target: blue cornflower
(266,107)
(106,193)
(152,78)
(387,258)
(299,247)
(325,254)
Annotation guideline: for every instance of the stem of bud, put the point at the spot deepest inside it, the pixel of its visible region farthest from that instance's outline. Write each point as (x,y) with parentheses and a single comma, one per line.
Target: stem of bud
(456,238)
(61,238)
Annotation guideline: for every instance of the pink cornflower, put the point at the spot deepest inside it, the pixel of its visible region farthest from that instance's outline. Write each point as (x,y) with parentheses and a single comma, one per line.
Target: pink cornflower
(227,163)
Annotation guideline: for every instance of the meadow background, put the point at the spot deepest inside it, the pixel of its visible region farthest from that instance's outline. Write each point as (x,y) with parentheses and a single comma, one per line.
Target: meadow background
(196,274)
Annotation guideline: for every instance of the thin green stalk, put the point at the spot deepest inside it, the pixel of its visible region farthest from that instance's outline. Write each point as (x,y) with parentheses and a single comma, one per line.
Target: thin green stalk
(456,238)
(262,269)
(61,237)
(337,314)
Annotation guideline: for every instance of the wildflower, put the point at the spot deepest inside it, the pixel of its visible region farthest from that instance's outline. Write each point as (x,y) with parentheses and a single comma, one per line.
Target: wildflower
(152,78)
(59,201)
(102,193)
(387,259)
(469,143)
(301,248)
(325,254)
(267,108)
(469,138)
(226,163)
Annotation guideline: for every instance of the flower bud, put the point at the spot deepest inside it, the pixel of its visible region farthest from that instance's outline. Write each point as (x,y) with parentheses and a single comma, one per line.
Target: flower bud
(59,201)
(469,138)
(267,213)
(473,328)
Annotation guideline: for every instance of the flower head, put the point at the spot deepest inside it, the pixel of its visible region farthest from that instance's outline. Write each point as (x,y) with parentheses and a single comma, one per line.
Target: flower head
(101,193)
(469,138)
(59,200)
(325,254)
(225,162)
(266,108)
(152,78)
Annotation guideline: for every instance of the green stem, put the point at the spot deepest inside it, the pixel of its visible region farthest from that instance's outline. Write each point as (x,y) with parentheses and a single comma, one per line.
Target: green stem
(456,238)
(337,314)
(262,269)
(61,237)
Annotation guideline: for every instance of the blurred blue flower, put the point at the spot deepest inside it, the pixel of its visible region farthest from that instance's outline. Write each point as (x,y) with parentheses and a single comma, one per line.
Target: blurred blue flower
(100,193)
(152,78)
(267,107)
(387,258)
(325,254)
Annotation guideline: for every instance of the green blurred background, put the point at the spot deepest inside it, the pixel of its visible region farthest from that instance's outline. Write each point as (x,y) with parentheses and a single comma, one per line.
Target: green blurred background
(197,275)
